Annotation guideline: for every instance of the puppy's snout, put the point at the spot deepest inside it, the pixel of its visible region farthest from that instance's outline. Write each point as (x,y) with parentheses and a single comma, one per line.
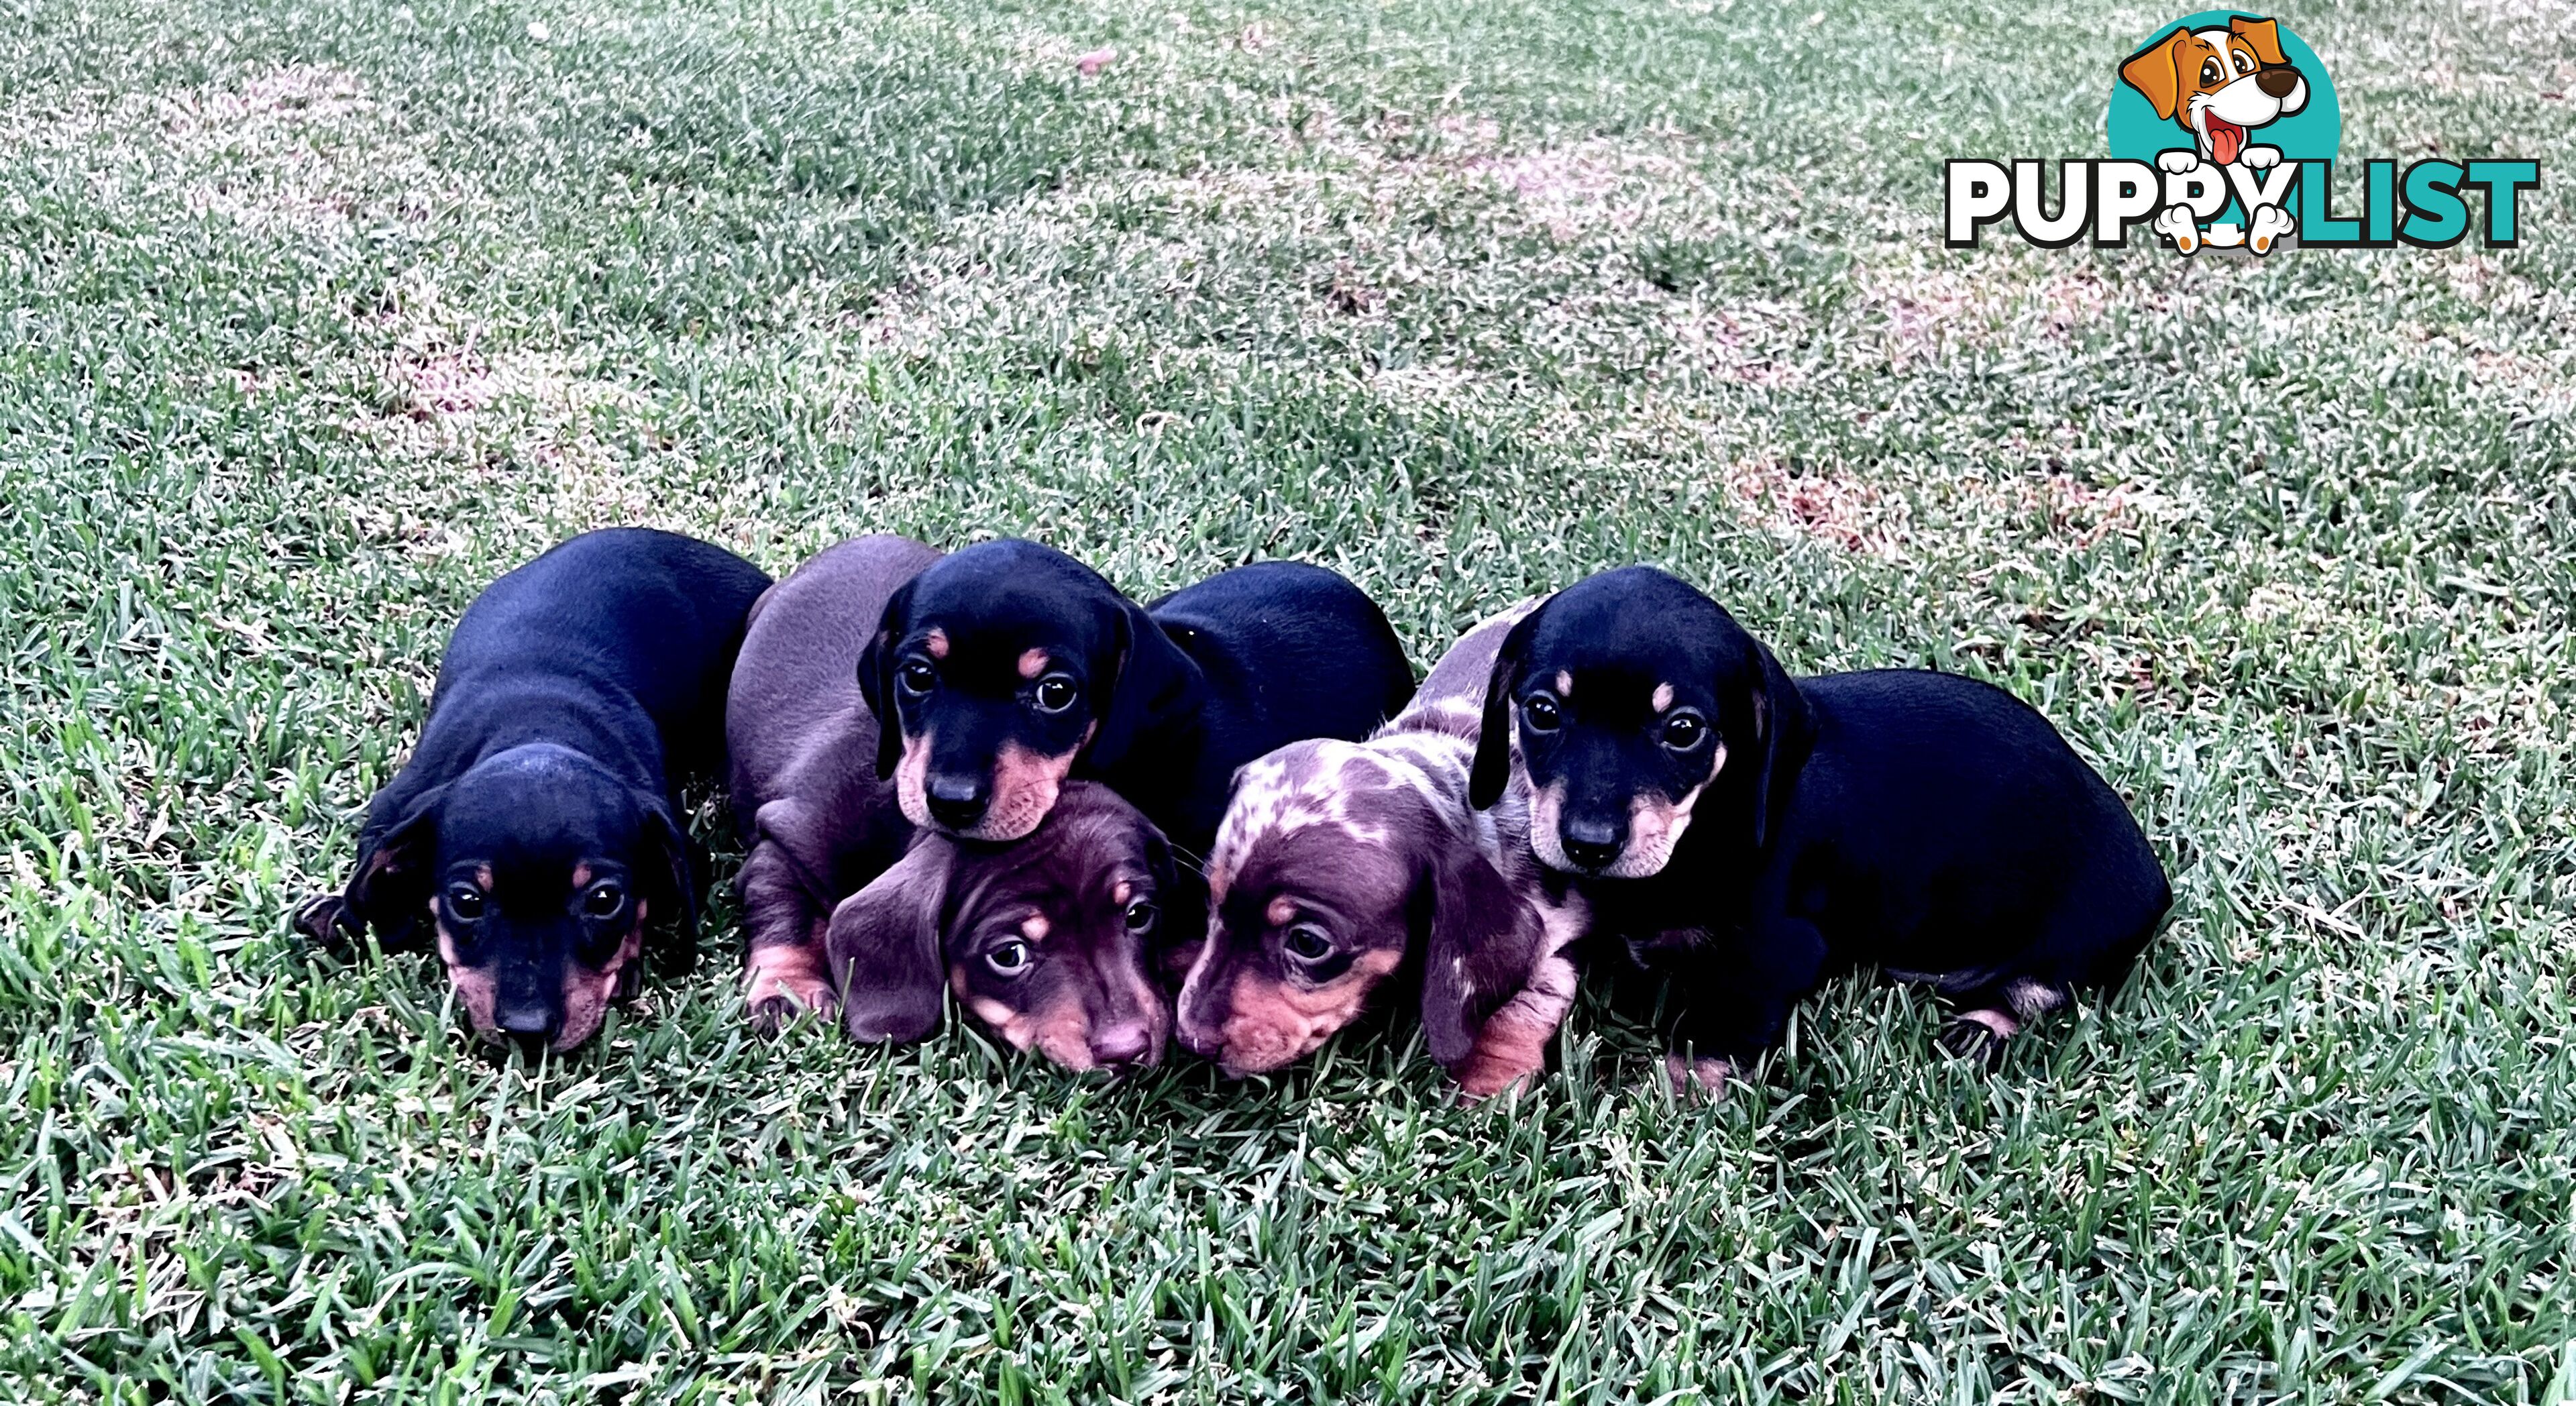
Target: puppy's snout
(529,1023)
(2277,81)
(957,799)
(1125,1044)
(1591,842)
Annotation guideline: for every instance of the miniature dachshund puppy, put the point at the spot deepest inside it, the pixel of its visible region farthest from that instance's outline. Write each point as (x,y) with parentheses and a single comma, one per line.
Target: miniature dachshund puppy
(1747,833)
(1343,868)
(1048,941)
(536,825)
(1007,668)
(816,821)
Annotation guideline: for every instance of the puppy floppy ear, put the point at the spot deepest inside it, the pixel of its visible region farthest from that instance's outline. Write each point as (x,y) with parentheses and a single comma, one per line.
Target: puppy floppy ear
(667,872)
(1479,942)
(1492,770)
(1182,896)
(1150,681)
(2155,72)
(390,885)
(882,950)
(2264,35)
(876,677)
(1782,728)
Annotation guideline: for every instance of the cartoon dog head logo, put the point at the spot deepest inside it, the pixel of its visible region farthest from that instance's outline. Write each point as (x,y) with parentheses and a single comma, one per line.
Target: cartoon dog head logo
(2221,84)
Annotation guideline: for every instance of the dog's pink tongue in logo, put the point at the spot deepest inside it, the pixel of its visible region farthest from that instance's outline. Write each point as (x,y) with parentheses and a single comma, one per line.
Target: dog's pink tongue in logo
(2226,139)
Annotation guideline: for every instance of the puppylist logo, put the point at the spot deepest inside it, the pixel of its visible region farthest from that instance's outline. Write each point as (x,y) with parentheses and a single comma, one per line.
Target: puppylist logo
(2224,133)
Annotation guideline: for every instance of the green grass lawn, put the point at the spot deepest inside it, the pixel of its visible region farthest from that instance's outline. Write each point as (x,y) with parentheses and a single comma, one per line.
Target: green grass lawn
(318,314)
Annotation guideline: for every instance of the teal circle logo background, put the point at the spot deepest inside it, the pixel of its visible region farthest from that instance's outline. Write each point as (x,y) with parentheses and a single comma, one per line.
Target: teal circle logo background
(2313,133)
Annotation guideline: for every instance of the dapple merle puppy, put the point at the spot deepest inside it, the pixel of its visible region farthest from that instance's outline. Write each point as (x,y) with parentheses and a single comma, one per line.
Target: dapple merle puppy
(1347,867)
(1008,667)
(1747,833)
(536,825)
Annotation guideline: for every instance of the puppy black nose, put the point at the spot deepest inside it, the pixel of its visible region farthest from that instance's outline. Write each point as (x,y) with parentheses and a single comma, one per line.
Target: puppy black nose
(957,801)
(2277,82)
(529,1023)
(1125,1043)
(1591,844)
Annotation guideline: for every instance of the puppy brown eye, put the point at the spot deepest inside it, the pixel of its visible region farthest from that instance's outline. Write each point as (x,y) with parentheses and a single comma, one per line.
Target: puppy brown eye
(1140,916)
(917,677)
(2209,71)
(1539,711)
(465,903)
(1683,731)
(605,901)
(1008,958)
(1307,943)
(1055,693)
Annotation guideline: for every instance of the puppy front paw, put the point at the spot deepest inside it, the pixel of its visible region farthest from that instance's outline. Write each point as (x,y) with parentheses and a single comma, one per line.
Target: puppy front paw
(2270,223)
(1977,1035)
(324,921)
(2259,158)
(1700,1080)
(2178,163)
(782,983)
(2175,223)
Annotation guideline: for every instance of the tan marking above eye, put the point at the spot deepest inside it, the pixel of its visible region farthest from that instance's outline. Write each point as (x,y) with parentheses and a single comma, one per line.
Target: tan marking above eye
(1033,663)
(1564,683)
(483,877)
(1663,696)
(1280,911)
(581,876)
(1122,892)
(1035,927)
(936,642)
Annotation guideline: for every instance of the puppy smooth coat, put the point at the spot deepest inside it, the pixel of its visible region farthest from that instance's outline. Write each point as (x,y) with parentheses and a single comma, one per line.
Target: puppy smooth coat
(1048,941)
(1008,668)
(1747,833)
(1343,869)
(816,820)
(534,835)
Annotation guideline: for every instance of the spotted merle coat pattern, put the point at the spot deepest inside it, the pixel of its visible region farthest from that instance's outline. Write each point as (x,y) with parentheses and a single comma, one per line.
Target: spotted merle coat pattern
(1341,868)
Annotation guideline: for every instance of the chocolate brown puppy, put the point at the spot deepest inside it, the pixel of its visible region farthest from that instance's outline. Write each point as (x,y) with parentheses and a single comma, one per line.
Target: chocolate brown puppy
(1343,869)
(1047,941)
(816,820)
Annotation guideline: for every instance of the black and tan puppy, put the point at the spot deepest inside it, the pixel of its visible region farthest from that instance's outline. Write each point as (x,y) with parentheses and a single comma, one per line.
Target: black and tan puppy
(536,825)
(1748,833)
(1008,667)
(1344,869)
(816,820)
(1048,940)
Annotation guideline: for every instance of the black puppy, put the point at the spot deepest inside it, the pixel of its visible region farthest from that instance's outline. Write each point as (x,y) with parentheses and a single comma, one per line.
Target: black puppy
(536,824)
(1005,668)
(1748,834)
